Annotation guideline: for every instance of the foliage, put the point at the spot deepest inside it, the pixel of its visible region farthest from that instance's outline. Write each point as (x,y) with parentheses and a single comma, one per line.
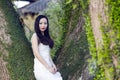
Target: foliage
(101,65)
(114,20)
(111,46)
(114,32)
(94,64)
(75,49)
(76,54)
(92,46)
(20,59)
(57,28)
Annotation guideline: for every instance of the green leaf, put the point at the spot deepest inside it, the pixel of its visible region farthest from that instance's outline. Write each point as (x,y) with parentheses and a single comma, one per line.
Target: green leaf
(69,1)
(74,6)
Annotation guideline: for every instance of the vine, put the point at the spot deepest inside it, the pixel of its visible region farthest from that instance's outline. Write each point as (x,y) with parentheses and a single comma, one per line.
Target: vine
(114,33)
(106,69)
(101,65)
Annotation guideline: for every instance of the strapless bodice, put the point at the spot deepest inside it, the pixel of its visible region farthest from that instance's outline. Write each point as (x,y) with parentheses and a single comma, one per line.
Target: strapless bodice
(44,51)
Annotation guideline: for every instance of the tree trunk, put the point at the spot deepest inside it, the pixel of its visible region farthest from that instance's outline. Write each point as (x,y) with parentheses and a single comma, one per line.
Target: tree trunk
(4,39)
(73,56)
(103,37)
(16,59)
(72,59)
(97,14)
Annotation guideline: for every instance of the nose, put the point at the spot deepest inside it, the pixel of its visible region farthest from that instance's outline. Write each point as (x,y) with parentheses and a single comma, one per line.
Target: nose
(42,24)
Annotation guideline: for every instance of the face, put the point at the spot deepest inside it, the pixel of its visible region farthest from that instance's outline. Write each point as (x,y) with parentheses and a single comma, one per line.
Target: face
(43,24)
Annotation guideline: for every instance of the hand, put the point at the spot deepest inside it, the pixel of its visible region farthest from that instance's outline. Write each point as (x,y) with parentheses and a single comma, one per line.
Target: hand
(52,70)
(54,67)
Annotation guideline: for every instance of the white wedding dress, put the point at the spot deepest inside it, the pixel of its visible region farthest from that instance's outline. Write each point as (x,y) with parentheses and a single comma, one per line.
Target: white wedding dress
(40,72)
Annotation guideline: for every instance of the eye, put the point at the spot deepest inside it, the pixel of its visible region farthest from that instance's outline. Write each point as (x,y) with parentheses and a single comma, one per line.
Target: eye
(45,23)
(40,23)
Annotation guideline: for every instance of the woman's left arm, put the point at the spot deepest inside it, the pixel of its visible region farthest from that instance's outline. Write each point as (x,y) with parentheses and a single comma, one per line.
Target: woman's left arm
(53,65)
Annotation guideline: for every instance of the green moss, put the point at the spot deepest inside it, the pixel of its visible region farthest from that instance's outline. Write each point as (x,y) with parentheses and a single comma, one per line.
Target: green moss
(75,50)
(92,47)
(20,59)
(76,55)
(102,59)
(111,35)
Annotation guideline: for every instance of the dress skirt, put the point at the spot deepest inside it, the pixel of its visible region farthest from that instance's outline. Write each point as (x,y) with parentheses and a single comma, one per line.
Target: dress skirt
(41,73)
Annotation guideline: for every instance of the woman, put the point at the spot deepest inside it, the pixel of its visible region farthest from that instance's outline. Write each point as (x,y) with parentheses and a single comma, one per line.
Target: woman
(44,68)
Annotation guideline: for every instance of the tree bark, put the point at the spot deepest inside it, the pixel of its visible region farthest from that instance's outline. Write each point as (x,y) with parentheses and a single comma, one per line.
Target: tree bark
(97,14)
(4,39)
(15,52)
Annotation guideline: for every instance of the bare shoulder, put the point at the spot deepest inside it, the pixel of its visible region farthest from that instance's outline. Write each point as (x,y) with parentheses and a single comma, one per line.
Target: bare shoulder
(34,37)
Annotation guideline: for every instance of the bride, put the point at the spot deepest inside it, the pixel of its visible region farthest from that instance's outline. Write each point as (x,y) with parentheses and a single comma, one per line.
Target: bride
(44,67)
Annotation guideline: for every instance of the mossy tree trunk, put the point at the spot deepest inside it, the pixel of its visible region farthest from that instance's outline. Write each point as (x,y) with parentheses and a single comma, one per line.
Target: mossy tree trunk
(4,39)
(91,31)
(73,56)
(16,59)
(98,19)
(103,30)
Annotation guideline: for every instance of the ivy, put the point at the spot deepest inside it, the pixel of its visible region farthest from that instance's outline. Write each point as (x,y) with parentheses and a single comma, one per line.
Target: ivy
(114,34)
(101,63)
(92,46)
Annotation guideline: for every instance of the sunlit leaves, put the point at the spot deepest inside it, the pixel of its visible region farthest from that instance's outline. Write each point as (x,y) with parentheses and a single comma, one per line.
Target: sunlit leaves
(74,6)
(55,14)
(68,1)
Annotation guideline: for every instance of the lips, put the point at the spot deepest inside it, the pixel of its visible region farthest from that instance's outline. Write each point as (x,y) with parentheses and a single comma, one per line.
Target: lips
(43,28)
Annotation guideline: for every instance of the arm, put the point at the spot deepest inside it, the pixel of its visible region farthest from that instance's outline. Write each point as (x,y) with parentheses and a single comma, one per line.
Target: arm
(53,65)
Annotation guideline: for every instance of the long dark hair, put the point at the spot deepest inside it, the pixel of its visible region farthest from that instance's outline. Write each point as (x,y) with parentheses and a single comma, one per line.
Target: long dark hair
(45,39)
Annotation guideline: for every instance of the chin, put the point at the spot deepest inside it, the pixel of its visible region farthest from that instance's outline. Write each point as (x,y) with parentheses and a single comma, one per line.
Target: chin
(42,30)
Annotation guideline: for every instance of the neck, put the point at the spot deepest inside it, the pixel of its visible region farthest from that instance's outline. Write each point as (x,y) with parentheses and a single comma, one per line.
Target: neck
(42,33)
